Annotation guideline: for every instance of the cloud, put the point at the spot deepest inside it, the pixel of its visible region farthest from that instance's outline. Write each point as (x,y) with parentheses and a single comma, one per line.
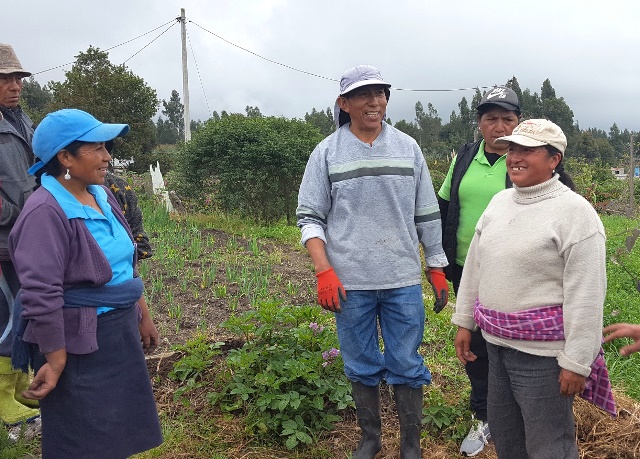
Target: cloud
(586,51)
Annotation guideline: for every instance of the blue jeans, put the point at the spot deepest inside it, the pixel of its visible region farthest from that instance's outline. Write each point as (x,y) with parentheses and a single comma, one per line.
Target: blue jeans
(528,416)
(400,313)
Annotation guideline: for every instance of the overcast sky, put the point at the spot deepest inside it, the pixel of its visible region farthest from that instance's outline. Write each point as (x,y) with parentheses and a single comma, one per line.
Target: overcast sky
(589,50)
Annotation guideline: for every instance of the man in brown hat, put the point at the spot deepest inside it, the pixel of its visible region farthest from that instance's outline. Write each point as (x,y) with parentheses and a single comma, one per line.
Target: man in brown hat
(16,131)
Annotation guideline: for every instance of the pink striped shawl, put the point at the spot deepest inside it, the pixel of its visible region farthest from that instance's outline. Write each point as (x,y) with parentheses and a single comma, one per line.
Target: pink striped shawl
(546,324)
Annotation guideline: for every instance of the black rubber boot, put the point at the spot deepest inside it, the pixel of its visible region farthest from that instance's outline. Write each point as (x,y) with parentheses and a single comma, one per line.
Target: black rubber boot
(367,400)
(409,406)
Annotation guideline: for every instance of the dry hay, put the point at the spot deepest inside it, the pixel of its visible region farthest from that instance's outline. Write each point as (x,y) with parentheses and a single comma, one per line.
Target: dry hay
(599,435)
(602,437)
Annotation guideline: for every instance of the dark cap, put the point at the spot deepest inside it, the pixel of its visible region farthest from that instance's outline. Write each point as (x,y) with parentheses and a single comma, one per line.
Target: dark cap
(502,97)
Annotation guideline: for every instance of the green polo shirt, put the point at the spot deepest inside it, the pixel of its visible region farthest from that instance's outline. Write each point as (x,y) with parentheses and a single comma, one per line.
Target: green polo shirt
(479,184)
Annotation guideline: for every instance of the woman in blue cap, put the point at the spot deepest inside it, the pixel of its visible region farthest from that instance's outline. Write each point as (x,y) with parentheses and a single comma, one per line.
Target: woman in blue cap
(83,324)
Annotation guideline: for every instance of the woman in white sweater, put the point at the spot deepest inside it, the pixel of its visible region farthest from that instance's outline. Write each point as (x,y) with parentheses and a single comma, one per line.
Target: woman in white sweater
(535,282)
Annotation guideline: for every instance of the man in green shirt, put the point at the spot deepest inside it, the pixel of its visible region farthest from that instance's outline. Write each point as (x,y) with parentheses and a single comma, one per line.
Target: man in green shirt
(476,174)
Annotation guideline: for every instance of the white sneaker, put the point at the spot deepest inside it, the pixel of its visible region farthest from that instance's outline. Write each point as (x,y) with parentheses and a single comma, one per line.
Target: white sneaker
(476,439)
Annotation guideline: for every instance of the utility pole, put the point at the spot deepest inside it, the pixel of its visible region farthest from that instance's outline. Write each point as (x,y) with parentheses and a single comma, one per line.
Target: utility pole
(185,77)
(632,172)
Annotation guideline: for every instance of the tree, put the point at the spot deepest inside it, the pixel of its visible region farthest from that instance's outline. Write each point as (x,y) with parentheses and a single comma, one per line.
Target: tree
(34,99)
(323,120)
(429,125)
(530,105)
(477,98)
(252,112)
(558,111)
(254,165)
(547,91)
(606,151)
(174,111)
(409,128)
(166,134)
(515,86)
(195,125)
(585,147)
(113,94)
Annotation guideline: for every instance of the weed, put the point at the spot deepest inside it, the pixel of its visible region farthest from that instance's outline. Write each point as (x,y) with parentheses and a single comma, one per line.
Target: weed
(221,291)
(280,378)
(198,357)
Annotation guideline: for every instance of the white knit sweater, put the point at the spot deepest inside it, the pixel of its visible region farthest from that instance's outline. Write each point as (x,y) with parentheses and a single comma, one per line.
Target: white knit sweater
(539,246)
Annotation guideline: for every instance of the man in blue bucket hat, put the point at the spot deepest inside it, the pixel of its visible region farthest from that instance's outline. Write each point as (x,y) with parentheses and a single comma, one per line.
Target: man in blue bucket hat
(365,203)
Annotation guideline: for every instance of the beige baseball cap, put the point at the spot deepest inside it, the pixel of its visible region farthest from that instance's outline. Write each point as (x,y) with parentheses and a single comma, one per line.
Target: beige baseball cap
(537,133)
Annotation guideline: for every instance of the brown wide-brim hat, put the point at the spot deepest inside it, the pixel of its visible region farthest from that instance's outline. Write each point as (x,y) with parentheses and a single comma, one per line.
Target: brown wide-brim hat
(9,62)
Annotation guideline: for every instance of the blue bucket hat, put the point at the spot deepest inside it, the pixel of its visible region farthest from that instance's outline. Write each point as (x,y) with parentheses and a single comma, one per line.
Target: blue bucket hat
(354,78)
(59,129)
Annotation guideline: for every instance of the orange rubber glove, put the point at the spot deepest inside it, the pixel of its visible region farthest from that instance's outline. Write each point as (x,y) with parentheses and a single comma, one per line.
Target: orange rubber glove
(330,290)
(440,289)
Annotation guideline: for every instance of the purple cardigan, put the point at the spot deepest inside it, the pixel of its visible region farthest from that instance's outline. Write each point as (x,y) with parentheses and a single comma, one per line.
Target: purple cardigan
(51,254)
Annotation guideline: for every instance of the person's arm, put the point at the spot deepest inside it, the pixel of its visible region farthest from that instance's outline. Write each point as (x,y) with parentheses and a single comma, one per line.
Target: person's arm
(427,218)
(148,332)
(315,248)
(314,205)
(8,211)
(623,330)
(47,376)
(330,289)
(443,204)
(584,288)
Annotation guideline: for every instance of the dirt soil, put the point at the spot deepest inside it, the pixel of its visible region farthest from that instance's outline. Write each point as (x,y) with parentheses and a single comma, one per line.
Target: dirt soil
(598,435)
(294,267)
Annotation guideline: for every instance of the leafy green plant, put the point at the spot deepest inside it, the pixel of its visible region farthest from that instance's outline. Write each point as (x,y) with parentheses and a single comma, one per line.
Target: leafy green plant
(15,448)
(256,164)
(287,378)
(199,354)
(443,419)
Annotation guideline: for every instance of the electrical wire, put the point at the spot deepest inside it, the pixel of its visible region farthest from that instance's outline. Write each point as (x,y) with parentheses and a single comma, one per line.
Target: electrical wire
(161,34)
(107,49)
(198,71)
(324,77)
(262,57)
(176,20)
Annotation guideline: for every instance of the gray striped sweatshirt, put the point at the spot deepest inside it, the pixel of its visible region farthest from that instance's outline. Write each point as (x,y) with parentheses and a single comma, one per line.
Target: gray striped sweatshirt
(371,205)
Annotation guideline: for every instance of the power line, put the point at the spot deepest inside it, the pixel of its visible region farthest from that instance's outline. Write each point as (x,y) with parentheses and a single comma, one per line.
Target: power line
(320,76)
(174,21)
(162,33)
(109,49)
(262,57)
(198,72)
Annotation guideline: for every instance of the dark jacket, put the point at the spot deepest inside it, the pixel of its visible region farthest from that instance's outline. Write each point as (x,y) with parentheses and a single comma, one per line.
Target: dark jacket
(15,183)
(128,202)
(450,210)
(74,258)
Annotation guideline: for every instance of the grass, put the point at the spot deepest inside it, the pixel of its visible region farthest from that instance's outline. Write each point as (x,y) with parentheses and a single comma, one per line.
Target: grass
(194,430)
(622,303)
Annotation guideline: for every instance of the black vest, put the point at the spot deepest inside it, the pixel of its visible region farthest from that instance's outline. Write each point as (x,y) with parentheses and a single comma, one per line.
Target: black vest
(451,220)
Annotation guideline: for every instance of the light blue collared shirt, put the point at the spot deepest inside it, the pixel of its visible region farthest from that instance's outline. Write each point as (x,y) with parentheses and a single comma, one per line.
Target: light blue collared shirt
(110,235)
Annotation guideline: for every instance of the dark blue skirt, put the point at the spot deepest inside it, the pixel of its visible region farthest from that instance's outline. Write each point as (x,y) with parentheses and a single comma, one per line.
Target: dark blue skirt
(103,406)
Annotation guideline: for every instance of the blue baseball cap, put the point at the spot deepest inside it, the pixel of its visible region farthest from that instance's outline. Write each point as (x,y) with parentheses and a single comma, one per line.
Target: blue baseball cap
(59,129)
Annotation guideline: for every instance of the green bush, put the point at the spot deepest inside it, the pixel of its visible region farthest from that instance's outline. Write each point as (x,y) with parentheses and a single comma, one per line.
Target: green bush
(253,166)
(595,181)
(438,169)
(288,377)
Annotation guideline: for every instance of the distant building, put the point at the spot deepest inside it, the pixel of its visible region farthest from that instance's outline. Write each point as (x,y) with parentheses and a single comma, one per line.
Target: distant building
(120,165)
(618,172)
